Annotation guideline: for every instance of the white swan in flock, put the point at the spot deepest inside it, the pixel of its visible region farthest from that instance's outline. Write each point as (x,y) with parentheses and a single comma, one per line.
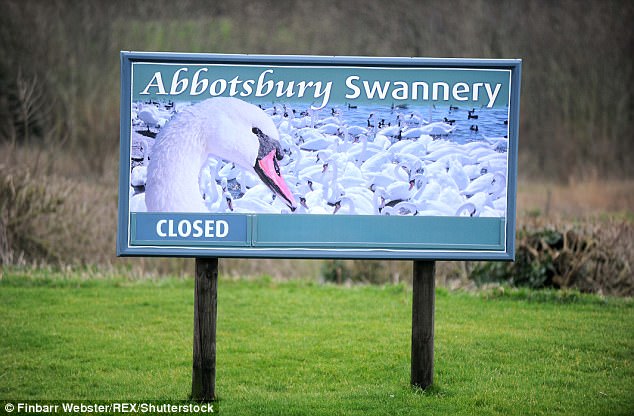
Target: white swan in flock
(356,131)
(257,199)
(490,183)
(218,199)
(360,152)
(416,147)
(376,163)
(438,128)
(227,128)
(315,140)
(137,202)
(392,131)
(138,176)
(149,116)
(403,208)
(330,128)
(354,204)
(394,172)
(211,191)
(399,146)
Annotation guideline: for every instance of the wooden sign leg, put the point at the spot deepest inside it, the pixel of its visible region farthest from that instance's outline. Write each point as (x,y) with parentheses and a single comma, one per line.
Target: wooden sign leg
(423,323)
(205,313)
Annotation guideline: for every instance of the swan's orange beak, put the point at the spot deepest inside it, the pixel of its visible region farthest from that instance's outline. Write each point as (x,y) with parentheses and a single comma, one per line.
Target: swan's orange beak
(269,171)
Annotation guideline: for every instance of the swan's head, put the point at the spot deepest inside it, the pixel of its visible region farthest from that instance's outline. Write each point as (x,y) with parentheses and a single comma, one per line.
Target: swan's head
(244,134)
(268,169)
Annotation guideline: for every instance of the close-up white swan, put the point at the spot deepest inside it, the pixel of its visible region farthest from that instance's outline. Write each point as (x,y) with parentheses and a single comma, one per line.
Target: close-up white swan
(227,128)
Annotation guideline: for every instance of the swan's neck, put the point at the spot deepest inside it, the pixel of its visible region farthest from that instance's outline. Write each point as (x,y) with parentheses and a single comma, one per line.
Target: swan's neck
(331,187)
(173,174)
(214,195)
(376,202)
(298,161)
(399,173)
(350,203)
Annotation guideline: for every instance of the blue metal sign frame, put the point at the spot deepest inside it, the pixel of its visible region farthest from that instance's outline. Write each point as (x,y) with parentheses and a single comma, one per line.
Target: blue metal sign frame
(328,86)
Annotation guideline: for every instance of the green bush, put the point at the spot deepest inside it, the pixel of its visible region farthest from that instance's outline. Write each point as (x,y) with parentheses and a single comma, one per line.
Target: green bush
(334,271)
(358,271)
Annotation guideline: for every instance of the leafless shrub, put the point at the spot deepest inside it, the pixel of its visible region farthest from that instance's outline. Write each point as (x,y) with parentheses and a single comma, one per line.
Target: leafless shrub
(49,219)
(592,256)
(608,267)
(24,201)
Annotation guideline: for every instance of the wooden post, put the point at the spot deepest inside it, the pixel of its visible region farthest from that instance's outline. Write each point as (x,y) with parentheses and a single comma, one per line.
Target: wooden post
(423,323)
(205,313)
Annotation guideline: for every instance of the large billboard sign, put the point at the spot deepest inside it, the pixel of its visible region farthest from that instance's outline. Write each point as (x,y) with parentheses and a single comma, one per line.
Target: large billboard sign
(317,157)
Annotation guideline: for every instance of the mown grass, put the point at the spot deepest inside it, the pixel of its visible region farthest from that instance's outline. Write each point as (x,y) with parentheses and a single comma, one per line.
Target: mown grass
(297,348)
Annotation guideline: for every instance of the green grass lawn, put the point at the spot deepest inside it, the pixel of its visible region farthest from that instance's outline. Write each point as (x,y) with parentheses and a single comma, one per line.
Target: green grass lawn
(298,348)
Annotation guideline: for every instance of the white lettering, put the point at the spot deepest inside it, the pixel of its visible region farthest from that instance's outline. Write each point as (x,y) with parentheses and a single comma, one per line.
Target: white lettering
(233,91)
(33,408)
(196,228)
(247,86)
(325,94)
(349,84)
(281,91)
(425,87)
(460,88)
(178,85)
(184,228)
(222,228)
(259,89)
(159,228)
(156,81)
(476,90)
(265,84)
(436,86)
(401,92)
(376,88)
(492,95)
(196,83)
(218,87)
(209,229)
(303,85)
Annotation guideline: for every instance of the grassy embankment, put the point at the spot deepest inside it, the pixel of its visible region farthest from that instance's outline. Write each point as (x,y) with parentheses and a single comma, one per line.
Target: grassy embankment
(302,348)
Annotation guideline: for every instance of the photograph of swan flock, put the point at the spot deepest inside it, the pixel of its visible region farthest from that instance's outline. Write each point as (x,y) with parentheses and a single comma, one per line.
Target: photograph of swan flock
(225,155)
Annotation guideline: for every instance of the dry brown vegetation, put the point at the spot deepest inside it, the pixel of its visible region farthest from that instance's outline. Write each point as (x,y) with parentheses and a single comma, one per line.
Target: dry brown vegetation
(59,103)
(591,197)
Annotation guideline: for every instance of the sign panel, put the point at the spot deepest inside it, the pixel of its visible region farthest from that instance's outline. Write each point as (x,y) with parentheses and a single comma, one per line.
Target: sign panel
(317,157)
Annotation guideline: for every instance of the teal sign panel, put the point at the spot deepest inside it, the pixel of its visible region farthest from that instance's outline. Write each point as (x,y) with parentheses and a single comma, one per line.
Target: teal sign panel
(317,157)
